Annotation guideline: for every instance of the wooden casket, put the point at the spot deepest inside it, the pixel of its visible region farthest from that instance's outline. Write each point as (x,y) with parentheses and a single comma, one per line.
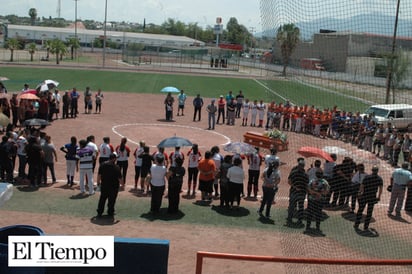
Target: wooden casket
(259,140)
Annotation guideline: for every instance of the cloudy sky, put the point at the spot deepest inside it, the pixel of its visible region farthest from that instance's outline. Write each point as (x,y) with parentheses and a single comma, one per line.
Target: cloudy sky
(204,12)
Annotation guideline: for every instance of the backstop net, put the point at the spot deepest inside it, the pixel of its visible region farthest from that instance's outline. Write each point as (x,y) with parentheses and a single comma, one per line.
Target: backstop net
(344,51)
(344,44)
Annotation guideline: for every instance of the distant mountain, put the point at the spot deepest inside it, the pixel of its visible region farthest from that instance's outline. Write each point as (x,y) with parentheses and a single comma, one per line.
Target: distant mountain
(372,23)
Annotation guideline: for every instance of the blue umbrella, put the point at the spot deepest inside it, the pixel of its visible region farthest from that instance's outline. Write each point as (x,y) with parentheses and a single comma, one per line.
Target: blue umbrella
(175,142)
(170,89)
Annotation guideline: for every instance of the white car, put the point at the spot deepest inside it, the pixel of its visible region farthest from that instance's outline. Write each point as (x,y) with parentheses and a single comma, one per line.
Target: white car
(399,115)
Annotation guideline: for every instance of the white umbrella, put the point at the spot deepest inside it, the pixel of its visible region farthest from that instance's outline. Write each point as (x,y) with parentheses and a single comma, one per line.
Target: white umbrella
(47,84)
(170,89)
(336,150)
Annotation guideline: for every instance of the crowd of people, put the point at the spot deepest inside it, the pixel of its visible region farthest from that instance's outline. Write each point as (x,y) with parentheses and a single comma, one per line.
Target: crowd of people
(346,185)
(47,104)
(385,141)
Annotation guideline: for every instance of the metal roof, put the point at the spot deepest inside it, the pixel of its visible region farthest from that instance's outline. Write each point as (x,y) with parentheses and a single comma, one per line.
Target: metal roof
(110,34)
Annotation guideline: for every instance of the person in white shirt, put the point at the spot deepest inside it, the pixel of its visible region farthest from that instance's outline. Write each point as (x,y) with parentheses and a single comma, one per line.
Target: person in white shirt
(261,107)
(246,108)
(57,99)
(105,149)
(255,161)
(218,159)
(157,177)
(254,110)
(356,181)
(21,153)
(138,165)
(236,175)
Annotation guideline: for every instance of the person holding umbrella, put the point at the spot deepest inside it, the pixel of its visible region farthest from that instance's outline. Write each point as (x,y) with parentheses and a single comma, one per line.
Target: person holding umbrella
(169,101)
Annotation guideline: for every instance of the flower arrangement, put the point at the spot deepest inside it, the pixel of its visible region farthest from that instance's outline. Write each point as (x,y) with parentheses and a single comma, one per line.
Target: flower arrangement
(276,134)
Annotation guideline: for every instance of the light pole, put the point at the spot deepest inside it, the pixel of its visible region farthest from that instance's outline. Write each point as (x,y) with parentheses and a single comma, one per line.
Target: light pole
(75,24)
(389,75)
(252,30)
(104,33)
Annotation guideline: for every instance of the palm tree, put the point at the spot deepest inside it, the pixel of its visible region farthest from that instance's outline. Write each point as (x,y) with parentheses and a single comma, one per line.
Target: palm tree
(31,48)
(288,37)
(74,44)
(63,52)
(47,46)
(33,15)
(58,48)
(12,44)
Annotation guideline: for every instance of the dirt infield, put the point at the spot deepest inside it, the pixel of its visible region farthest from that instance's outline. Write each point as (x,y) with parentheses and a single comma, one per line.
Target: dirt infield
(141,117)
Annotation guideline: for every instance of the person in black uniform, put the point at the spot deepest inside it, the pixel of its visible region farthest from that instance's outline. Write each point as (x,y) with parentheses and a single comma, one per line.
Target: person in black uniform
(298,181)
(175,176)
(367,196)
(109,179)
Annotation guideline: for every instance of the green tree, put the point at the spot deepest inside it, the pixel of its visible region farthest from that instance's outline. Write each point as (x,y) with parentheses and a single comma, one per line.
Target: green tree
(58,47)
(97,43)
(74,44)
(235,33)
(33,15)
(47,46)
(169,26)
(31,48)
(12,44)
(288,38)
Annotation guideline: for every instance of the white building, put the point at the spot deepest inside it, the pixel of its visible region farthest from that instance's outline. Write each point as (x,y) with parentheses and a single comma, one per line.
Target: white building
(86,37)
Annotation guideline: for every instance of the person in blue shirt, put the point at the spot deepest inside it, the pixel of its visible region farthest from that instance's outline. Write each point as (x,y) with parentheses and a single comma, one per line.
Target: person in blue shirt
(197,104)
(401,178)
(181,101)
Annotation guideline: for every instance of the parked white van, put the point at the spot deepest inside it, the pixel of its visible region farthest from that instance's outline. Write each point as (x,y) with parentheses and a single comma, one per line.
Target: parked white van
(399,115)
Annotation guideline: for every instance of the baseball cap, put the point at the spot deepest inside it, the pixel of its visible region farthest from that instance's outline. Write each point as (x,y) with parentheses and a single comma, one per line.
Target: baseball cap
(113,155)
(221,96)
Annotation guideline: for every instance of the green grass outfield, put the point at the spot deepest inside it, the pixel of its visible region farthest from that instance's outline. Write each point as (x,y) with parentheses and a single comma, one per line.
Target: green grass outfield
(133,208)
(207,86)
